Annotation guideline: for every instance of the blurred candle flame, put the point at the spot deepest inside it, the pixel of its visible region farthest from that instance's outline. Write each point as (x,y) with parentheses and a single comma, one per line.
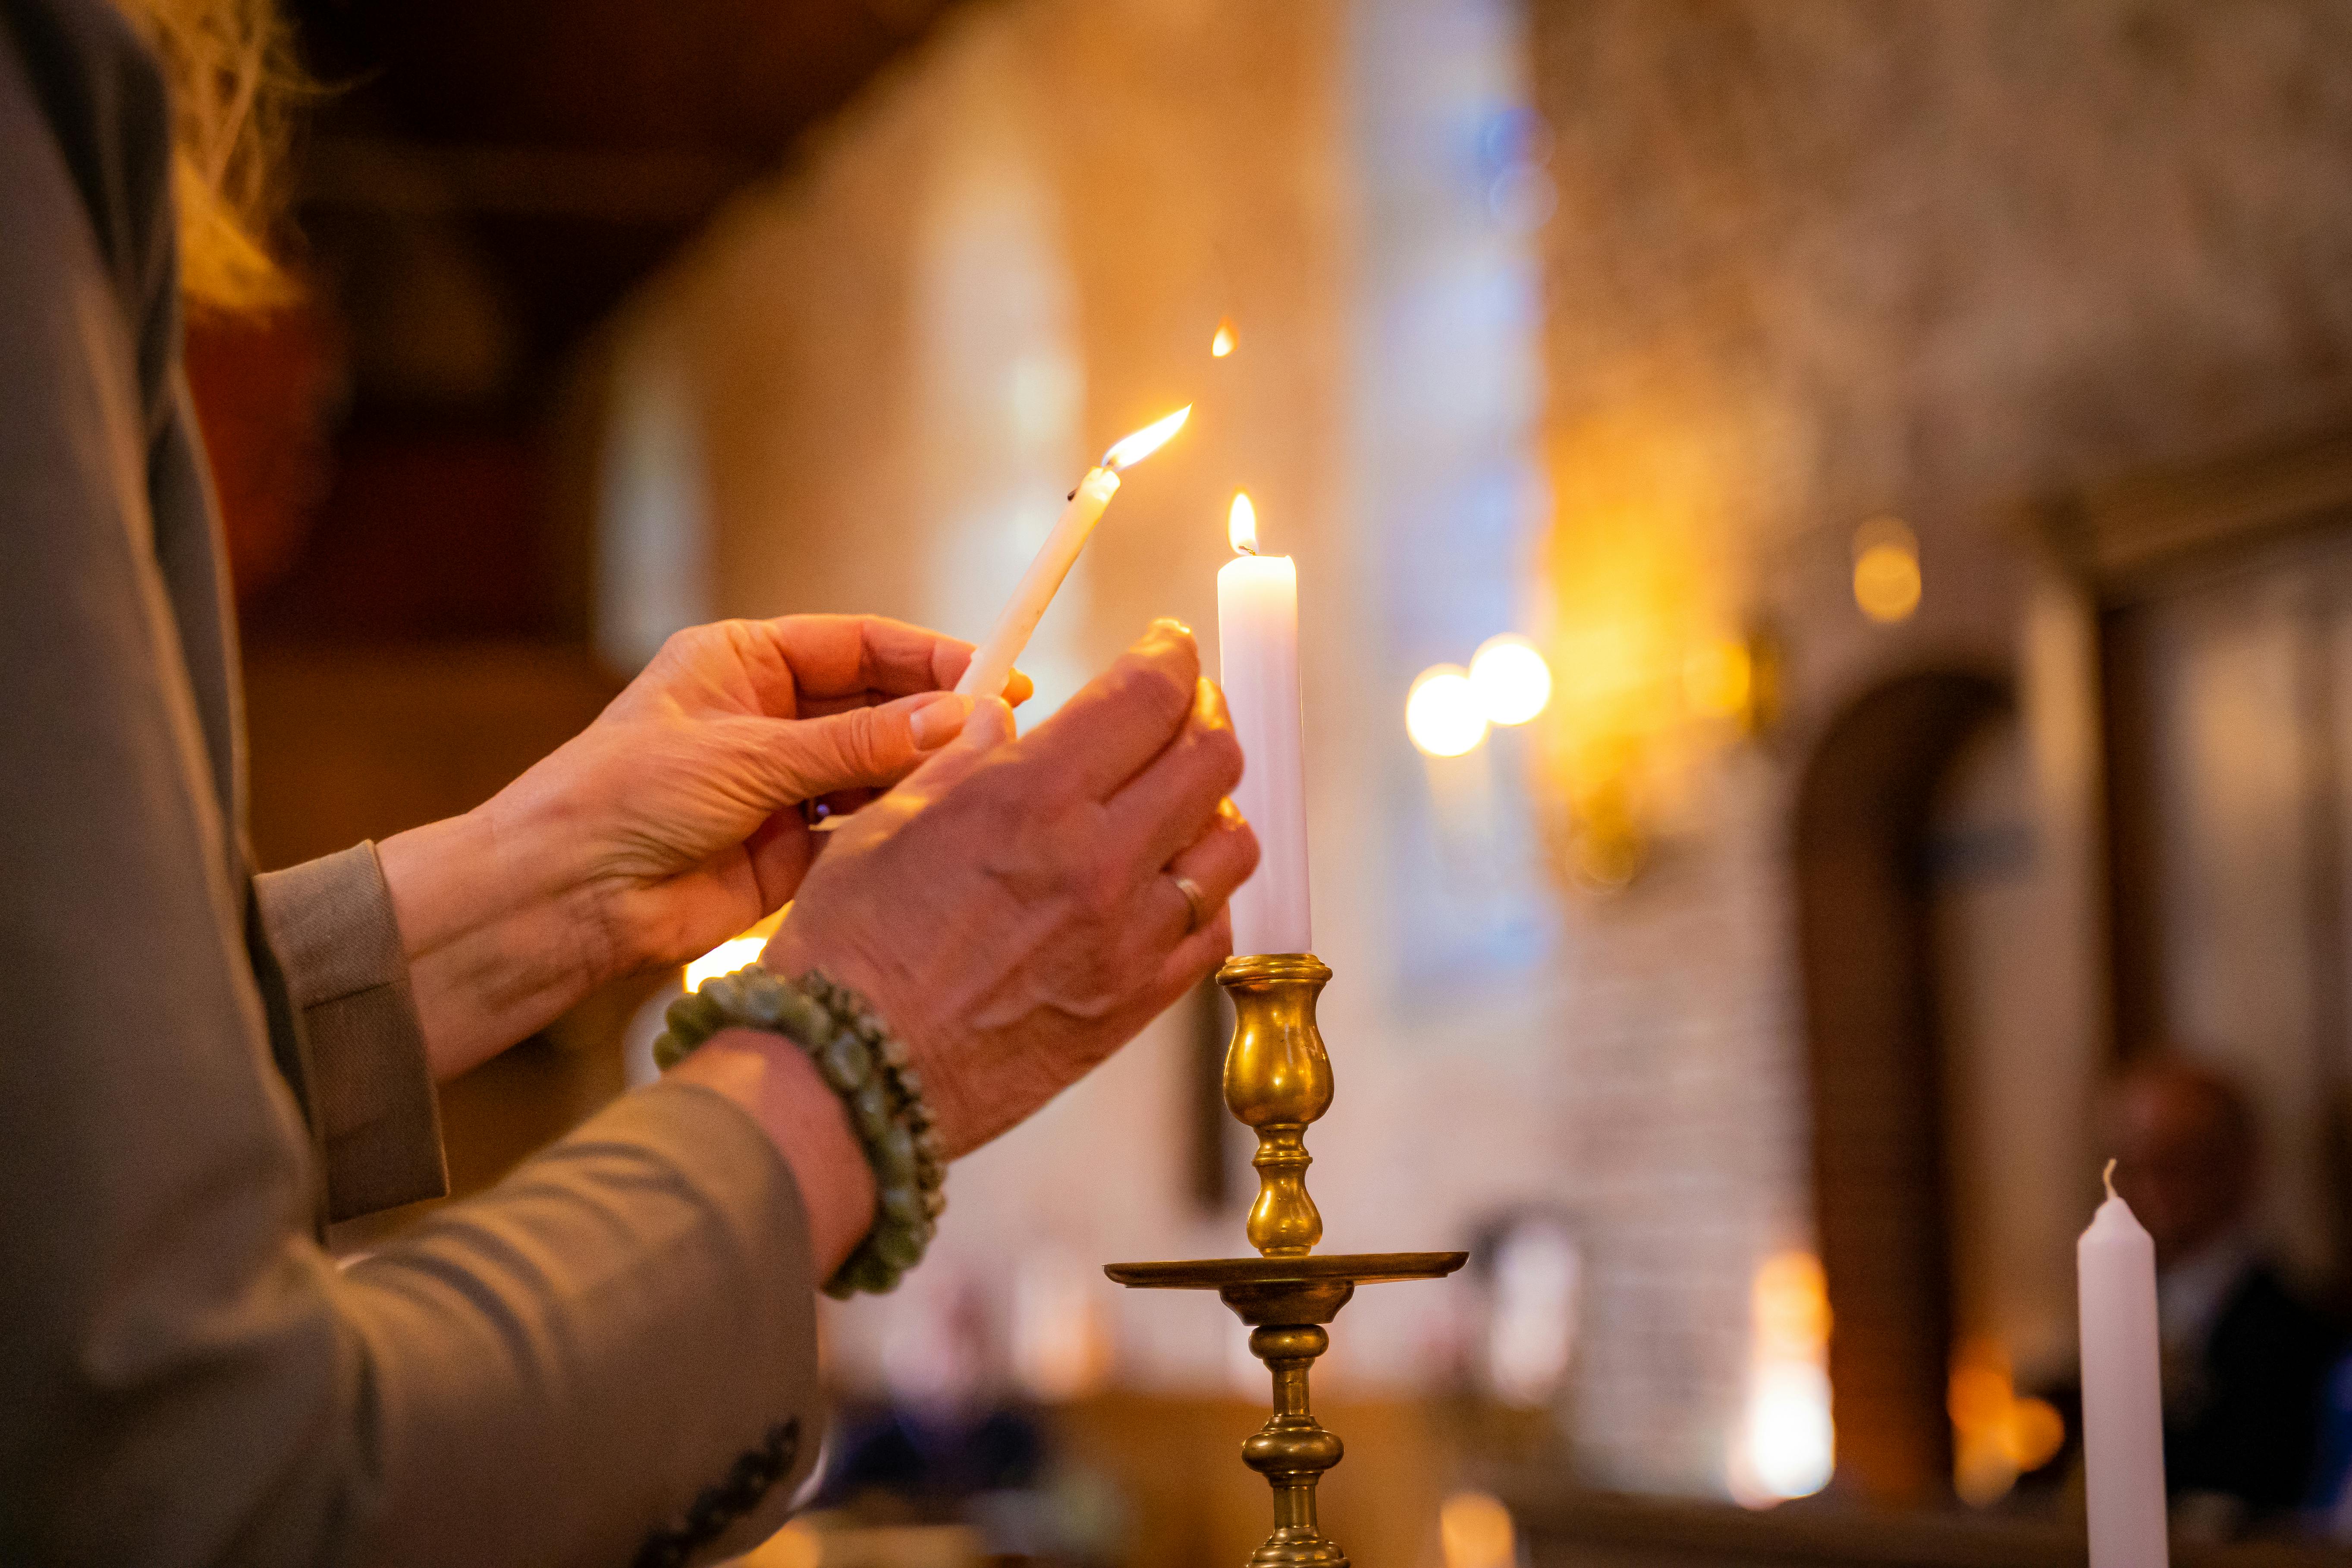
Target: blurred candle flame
(1226,342)
(1240,524)
(1130,450)
(1997,1435)
(1787,1445)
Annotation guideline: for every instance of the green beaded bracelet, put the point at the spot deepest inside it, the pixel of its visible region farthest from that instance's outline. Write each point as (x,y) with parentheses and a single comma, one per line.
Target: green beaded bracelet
(864,1063)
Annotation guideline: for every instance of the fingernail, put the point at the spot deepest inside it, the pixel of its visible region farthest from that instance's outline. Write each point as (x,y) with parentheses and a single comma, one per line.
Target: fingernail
(991,720)
(937,723)
(1170,625)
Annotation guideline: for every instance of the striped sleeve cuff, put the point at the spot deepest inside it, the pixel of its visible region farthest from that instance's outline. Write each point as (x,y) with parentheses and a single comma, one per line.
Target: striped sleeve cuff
(329,922)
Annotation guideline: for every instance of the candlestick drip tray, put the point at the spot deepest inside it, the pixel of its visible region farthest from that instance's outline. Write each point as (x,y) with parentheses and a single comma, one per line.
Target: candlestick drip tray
(1254,1286)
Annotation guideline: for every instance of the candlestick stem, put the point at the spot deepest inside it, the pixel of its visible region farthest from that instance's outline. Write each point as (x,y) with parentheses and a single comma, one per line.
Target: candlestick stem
(1292,1450)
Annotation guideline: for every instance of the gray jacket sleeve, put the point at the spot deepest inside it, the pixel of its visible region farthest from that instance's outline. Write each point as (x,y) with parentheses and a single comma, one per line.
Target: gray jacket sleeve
(609,1358)
(330,925)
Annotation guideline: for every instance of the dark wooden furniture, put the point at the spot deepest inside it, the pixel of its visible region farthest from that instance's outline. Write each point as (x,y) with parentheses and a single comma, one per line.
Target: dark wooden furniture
(1570,1529)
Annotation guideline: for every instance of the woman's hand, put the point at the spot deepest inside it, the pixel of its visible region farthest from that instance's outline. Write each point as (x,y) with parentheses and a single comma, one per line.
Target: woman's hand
(668,825)
(1010,906)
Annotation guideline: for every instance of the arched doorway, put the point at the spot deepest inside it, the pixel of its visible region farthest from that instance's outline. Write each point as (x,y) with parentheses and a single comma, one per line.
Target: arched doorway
(1865,937)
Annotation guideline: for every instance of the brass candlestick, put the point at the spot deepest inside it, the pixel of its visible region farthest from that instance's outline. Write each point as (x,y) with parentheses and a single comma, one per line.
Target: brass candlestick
(1277,1080)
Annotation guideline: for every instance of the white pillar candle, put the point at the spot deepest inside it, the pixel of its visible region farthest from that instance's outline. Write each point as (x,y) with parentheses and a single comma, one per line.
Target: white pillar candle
(991,662)
(2123,1397)
(1257,649)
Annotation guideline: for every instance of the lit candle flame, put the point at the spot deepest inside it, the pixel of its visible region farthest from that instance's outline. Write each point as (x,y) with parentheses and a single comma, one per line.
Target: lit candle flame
(1240,524)
(1226,342)
(1133,449)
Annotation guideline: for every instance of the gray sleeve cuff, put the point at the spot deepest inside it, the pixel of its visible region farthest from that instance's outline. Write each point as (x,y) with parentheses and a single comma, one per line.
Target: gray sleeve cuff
(329,923)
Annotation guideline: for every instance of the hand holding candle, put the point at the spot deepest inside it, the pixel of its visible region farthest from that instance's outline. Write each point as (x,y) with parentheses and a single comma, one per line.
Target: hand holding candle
(992,661)
(2123,1398)
(1257,652)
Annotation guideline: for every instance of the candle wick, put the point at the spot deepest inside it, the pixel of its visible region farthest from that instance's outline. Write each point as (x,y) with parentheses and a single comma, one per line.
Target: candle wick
(1247,548)
(2108,1176)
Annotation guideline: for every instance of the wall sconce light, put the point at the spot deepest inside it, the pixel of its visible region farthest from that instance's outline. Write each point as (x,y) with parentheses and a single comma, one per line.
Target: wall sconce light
(1620,721)
(1605,840)
(1734,678)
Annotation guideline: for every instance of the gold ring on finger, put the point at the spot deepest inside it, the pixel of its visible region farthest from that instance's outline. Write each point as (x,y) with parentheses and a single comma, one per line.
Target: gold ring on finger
(1196,903)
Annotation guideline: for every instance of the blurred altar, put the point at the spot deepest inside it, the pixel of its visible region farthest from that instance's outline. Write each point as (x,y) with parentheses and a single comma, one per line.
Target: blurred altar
(1918,441)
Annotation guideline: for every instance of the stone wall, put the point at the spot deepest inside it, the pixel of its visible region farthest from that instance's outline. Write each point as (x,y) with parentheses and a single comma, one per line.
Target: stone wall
(1818,261)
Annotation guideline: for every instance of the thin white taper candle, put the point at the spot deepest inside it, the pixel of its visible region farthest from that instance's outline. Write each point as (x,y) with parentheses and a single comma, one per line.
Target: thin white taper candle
(991,662)
(2123,1392)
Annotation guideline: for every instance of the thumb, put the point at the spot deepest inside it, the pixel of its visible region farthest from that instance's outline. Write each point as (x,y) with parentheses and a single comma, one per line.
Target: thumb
(859,748)
(989,727)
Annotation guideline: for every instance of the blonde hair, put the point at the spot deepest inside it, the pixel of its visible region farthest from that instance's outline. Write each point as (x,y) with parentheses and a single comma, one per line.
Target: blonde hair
(233,76)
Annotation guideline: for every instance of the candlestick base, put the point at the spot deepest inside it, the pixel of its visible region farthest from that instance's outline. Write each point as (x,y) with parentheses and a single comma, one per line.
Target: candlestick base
(1286,1302)
(1277,1080)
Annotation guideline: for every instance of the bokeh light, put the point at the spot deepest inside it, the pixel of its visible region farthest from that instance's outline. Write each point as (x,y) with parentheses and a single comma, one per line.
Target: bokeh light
(734,952)
(725,958)
(1475,1531)
(797,1545)
(1443,713)
(1787,1446)
(1997,1435)
(1511,678)
(1886,582)
(1718,678)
